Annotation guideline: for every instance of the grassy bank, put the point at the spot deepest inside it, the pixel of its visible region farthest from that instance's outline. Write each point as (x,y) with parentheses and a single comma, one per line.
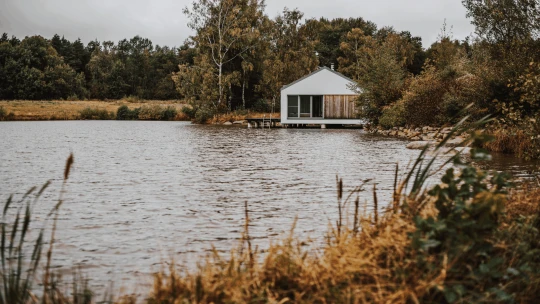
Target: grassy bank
(27,110)
(71,110)
(240,115)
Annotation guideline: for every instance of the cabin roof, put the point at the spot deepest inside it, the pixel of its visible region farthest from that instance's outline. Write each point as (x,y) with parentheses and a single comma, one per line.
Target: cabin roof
(315,72)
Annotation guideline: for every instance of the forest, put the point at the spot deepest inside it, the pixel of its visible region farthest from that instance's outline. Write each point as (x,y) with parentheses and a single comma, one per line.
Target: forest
(239,58)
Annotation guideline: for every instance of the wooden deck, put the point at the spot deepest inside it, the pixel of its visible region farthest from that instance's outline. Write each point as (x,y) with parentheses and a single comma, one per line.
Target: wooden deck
(263,122)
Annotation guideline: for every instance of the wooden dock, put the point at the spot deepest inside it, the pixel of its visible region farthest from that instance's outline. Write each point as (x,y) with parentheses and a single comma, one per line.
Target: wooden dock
(263,122)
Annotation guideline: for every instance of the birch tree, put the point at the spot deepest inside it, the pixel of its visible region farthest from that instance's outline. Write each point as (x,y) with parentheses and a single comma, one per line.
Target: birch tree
(225,30)
(290,56)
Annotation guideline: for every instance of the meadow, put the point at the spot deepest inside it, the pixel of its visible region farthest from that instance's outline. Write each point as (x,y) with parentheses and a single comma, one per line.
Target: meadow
(31,110)
(71,110)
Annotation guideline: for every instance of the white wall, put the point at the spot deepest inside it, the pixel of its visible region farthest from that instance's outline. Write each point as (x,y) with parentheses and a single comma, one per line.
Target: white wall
(323,82)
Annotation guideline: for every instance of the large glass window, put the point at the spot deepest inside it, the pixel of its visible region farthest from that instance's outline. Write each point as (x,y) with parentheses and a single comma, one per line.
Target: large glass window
(292,108)
(317,106)
(305,106)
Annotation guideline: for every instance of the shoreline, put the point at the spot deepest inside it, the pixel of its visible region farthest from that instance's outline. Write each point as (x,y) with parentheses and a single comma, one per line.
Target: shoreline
(59,110)
(45,110)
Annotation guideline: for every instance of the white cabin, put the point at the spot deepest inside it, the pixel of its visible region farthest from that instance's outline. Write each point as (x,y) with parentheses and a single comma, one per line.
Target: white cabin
(323,97)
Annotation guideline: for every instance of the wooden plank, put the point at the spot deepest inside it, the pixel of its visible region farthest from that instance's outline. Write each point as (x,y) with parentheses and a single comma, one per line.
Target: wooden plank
(339,106)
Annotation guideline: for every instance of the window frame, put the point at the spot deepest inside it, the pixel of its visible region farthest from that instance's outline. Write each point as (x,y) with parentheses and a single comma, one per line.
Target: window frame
(298,107)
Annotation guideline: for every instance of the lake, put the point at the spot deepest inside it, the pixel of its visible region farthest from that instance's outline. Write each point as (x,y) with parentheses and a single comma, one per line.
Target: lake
(143,193)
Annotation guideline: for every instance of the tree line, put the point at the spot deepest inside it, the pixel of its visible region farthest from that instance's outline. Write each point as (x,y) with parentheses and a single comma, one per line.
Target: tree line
(239,58)
(37,68)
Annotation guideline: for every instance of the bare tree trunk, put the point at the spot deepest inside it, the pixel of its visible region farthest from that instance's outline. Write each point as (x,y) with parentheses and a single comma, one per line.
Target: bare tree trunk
(244,92)
(230,98)
(220,83)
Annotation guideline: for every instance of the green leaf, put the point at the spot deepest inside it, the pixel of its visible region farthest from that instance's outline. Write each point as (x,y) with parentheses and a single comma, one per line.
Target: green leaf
(450,295)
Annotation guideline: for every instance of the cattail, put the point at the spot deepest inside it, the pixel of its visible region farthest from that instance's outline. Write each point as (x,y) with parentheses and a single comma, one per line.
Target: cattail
(375,204)
(356,206)
(69,162)
(395,195)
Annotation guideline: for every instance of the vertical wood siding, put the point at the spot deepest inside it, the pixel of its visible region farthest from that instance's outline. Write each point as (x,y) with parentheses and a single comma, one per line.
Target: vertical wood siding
(339,107)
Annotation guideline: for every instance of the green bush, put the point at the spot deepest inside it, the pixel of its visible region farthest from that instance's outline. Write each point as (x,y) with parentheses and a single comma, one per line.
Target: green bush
(3,113)
(152,112)
(198,114)
(168,113)
(203,115)
(134,114)
(95,114)
(123,113)
(422,100)
(261,106)
(469,205)
(241,111)
(393,116)
(189,111)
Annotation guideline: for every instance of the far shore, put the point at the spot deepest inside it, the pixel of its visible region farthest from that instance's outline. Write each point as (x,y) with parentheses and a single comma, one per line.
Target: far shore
(40,110)
(70,110)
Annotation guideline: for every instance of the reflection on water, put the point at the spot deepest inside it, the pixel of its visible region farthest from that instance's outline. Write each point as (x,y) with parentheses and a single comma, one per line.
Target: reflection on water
(144,192)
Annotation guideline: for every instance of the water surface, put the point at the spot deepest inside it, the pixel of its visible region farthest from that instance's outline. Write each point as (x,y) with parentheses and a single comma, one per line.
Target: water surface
(141,193)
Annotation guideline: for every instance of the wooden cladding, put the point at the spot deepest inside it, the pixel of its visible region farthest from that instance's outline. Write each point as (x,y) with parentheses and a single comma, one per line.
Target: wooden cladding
(340,106)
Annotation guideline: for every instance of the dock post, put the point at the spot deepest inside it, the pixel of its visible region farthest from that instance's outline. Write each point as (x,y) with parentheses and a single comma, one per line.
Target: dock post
(249,125)
(323,126)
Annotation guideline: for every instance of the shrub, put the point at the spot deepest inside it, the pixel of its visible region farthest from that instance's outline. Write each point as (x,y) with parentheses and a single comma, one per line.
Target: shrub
(423,98)
(134,114)
(203,115)
(132,99)
(521,139)
(123,113)
(198,114)
(469,205)
(152,112)
(168,113)
(261,105)
(242,111)
(95,114)
(73,97)
(189,111)
(3,113)
(393,116)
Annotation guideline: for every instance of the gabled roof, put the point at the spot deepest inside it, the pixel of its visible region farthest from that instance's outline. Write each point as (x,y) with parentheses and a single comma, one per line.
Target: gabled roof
(315,72)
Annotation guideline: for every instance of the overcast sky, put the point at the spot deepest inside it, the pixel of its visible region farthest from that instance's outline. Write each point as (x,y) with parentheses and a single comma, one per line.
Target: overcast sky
(163,22)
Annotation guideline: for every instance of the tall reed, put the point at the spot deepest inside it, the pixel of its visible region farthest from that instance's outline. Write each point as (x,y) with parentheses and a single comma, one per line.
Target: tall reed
(21,257)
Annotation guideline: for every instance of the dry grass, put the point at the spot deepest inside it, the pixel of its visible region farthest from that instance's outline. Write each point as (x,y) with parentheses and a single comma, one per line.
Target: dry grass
(69,110)
(524,201)
(362,262)
(509,141)
(235,116)
(368,259)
